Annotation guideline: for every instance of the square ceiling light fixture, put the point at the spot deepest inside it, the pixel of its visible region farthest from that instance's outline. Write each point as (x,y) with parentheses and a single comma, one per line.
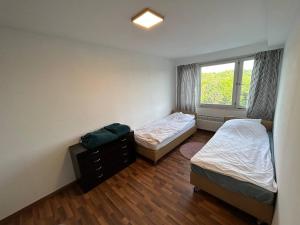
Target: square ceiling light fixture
(147,18)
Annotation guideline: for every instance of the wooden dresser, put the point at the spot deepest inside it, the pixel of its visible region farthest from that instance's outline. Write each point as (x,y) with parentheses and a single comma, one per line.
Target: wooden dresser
(94,166)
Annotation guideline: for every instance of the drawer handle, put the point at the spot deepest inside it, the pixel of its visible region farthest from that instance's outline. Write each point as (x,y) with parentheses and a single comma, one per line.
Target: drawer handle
(124,139)
(125,146)
(96,161)
(99,168)
(125,161)
(96,152)
(125,153)
(100,176)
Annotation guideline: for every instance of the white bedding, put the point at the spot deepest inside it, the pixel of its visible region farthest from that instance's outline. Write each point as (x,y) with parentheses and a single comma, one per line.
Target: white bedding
(158,132)
(240,149)
(187,127)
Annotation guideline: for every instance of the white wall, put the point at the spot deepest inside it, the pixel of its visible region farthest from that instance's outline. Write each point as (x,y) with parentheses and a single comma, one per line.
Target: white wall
(225,54)
(286,134)
(52,91)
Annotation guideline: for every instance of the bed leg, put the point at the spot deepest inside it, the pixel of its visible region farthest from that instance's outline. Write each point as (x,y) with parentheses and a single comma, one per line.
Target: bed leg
(196,189)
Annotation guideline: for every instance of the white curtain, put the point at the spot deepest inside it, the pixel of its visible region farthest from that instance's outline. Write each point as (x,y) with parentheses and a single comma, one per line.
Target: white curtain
(263,87)
(188,87)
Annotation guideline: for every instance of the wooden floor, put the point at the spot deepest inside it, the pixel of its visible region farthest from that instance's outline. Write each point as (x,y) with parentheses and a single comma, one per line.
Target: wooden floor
(140,194)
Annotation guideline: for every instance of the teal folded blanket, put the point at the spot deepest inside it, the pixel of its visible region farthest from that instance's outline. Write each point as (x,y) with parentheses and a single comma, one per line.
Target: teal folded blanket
(97,138)
(118,129)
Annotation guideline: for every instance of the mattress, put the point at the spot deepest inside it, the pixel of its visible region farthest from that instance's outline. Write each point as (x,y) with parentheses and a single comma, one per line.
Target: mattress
(170,127)
(240,149)
(188,126)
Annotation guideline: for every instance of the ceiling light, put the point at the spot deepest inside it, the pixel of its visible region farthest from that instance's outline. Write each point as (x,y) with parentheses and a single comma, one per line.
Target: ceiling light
(147,18)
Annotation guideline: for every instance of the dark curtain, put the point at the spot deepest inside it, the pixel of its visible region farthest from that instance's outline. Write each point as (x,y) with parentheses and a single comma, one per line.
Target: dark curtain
(188,86)
(263,87)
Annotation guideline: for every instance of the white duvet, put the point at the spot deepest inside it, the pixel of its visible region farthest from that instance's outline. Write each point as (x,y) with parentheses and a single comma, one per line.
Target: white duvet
(240,149)
(160,130)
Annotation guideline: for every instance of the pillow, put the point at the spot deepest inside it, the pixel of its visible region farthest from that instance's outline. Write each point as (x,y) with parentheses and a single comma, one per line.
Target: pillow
(181,116)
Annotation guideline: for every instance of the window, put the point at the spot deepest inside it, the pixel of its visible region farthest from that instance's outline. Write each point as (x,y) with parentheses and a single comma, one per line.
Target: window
(217,84)
(226,84)
(247,66)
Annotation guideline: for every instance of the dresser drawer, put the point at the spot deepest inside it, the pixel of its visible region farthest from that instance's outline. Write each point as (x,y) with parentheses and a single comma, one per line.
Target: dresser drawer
(90,161)
(126,160)
(95,153)
(94,174)
(125,153)
(94,166)
(92,169)
(124,140)
(125,148)
(91,165)
(89,181)
(89,155)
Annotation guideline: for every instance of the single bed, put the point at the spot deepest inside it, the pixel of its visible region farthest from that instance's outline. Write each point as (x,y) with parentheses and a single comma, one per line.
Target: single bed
(156,139)
(237,166)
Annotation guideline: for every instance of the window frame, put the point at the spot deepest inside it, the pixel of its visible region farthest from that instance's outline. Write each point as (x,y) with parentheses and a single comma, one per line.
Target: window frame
(237,80)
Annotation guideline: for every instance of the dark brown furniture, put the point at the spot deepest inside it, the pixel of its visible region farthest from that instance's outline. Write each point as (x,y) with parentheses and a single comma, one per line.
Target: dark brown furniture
(94,166)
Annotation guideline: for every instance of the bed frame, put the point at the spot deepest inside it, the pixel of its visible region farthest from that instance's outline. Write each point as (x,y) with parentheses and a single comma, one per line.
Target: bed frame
(155,155)
(263,212)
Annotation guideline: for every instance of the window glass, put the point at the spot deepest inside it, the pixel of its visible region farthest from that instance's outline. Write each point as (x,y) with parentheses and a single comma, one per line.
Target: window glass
(245,83)
(217,84)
